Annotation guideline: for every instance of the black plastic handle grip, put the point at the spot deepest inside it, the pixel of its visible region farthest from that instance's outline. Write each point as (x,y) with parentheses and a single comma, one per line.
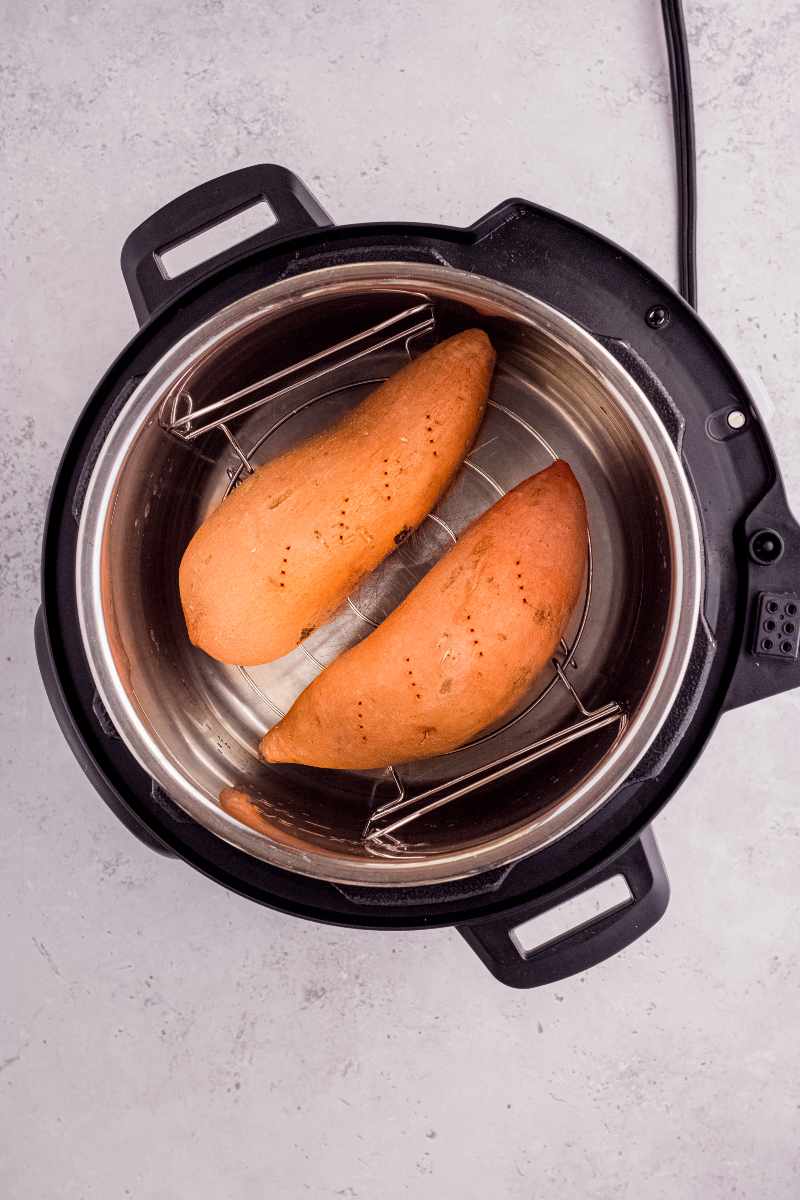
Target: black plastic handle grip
(295,210)
(643,870)
(769,667)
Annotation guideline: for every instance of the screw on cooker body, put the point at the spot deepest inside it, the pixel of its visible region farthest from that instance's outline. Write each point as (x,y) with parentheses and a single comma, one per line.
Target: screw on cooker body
(658,317)
(765,546)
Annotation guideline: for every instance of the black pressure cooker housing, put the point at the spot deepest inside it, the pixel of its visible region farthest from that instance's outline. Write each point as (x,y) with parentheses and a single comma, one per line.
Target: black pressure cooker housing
(751,549)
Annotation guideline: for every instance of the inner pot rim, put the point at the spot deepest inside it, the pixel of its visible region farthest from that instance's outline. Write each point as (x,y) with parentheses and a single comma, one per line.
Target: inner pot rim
(581,801)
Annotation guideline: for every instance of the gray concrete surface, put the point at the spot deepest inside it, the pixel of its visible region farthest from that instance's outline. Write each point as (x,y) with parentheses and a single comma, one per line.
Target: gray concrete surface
(161,1038)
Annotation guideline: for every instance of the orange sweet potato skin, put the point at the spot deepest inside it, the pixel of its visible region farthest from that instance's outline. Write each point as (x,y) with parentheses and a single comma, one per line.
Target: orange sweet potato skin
(287,546)
(237,803)
(244,807)
(461,649)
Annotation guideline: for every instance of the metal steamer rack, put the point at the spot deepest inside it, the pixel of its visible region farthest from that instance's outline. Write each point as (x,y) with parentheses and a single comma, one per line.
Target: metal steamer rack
(180,419)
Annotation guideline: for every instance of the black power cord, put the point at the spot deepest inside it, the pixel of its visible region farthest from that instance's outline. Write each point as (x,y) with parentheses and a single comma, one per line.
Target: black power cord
(683,122)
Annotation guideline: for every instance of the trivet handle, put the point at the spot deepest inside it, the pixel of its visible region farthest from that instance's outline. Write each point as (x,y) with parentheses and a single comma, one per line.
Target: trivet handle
(292,204)
(494,941)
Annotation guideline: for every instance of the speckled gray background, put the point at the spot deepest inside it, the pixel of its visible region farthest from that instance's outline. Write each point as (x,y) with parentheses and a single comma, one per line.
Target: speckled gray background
(163,1039)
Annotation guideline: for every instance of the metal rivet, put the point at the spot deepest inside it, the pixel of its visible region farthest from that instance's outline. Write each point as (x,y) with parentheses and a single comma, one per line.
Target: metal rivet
(658,317)
(737,419)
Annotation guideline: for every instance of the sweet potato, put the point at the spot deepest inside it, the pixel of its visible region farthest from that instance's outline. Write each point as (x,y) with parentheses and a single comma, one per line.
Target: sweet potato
(461,649)
(285,548)
(244,806)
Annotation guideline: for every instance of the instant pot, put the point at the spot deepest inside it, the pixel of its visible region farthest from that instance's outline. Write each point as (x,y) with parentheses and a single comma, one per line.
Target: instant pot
(690,603)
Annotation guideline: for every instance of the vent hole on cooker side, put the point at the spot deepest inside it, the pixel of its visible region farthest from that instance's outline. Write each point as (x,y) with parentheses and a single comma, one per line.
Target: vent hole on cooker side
(769,626)
(791,610)
(772,606)
(788,627)
(767,644)
(787,647)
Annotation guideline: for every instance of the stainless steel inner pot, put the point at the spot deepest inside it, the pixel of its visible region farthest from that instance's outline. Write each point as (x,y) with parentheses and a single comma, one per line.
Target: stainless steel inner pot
(194,724)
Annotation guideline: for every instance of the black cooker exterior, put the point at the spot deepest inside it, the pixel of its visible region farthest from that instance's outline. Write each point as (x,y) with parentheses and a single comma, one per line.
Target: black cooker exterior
(751,550)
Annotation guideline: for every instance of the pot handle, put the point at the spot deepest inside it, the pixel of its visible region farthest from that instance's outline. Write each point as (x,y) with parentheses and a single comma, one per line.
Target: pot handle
(769,654)
(496,942)
(292,204)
